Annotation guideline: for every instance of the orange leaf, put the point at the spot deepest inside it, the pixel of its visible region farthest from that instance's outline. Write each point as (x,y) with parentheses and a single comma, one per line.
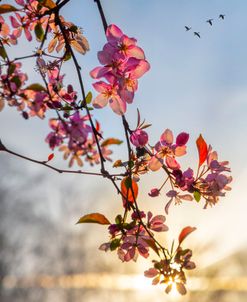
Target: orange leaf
(202,149)
(184,233)
(129,189)
(111,141)
(94,218)
(6,8)
(50,157)
(49,4)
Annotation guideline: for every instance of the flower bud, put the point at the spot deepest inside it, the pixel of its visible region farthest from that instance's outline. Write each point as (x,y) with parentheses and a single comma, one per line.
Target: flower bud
(139,138)
(154,192)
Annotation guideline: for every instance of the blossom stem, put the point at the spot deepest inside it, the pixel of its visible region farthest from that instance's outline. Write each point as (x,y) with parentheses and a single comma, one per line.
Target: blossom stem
(102,15)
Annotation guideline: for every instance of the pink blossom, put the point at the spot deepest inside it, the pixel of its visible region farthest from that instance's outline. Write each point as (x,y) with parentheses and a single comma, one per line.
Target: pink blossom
(139,138)
(156,223)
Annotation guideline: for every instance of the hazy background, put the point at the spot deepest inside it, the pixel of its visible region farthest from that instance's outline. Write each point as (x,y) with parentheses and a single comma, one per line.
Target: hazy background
(194,85)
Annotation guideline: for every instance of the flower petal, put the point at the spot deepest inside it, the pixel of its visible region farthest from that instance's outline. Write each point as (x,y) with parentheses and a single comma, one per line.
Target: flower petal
(167,137)
(100,101)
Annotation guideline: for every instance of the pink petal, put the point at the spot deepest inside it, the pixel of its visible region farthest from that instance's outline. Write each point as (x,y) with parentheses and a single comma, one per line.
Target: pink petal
(187,197)
(28,34)
(101,86)
(172,163)
(99,72)
(100,101)
(14,22)
(117,105)
(137,67)
(167,137)
(105,56)
(155,163)
(180,150)
(136,52)
(113,33)
(168,206)
(182,138)
(127,96)
(150,273)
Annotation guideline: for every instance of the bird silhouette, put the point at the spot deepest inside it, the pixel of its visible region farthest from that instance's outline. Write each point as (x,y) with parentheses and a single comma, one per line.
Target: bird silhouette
(222,16)
(210,21)
(197,34)
(187,28)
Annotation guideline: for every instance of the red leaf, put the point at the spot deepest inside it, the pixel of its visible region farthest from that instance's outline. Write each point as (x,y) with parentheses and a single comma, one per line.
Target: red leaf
(94,218)
(184,233)
(202,149)
(50,157)
(127,186)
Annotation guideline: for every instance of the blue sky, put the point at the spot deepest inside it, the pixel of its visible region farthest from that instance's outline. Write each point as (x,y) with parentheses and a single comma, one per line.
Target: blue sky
(194,85)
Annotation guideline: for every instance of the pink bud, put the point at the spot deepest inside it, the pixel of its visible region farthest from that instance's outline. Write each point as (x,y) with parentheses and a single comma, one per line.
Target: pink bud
(139,138)
(154,192)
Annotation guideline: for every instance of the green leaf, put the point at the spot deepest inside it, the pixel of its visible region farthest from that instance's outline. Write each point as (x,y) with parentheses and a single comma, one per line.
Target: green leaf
(197,196)
(89,97)
(39,32)
(114,244)
(118,219)
(94,218)
(128,182)
(11,69)
(17,81)
(36,87)
(6,8)
(67,56)
(111,141)
(3,53)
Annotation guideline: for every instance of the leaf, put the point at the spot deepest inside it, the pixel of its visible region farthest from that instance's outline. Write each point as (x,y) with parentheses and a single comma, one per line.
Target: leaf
(118,163)
(202,149)
(184,233)
(197,196)
(94,218)
(115,243)
(36,87)
(151,243)
(1,105)
(111,141)
(6,8)
(128,187)
(50,157)
(89,97)
(48,3)
(3,53)
(39,32)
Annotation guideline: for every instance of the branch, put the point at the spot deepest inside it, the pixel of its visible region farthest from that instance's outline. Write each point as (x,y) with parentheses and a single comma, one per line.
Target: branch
(44,163)
(102,15)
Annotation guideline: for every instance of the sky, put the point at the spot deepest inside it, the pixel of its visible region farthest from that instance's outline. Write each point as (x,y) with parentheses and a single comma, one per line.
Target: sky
(194,85)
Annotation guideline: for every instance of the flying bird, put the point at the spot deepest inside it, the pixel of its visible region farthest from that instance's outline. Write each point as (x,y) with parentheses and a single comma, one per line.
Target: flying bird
(197,34)
(187,28)
(222,16)
(210,21)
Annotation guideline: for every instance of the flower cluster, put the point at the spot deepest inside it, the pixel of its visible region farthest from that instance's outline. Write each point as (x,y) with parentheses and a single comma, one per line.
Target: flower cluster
(79,138)
(123,64)
(131,239)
